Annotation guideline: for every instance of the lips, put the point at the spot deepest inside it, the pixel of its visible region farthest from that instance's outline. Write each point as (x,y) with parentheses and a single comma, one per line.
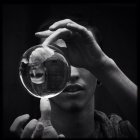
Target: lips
(73,88)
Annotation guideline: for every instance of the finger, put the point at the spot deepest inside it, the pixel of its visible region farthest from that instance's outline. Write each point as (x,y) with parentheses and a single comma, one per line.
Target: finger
(43,34)
(29,128)
(49,132)
(45,109)
(60,24)
(16,126)
(61,33)
(79,28)
(38,130)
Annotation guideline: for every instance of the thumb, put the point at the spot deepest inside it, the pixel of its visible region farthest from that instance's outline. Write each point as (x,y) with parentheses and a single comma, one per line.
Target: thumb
(45,110)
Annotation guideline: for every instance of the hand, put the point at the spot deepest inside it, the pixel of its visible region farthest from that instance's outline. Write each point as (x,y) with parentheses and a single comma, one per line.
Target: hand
(82,49)
(41,128)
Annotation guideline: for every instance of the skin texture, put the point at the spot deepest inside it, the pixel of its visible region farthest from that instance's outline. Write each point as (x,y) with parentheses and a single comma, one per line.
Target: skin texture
(72,114)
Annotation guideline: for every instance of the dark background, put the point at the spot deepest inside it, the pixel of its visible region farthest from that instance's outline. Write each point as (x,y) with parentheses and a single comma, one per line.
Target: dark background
(116,22)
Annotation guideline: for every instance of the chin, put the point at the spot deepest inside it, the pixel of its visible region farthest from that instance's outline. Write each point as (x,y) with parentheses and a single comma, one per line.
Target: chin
(69,105)
(72,103)
(74,107)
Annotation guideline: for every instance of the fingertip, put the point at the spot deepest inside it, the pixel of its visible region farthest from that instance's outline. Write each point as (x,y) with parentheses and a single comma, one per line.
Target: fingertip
(36,33)
(39,35)
(45,33)
(18,121)
(27,116)
(51,27)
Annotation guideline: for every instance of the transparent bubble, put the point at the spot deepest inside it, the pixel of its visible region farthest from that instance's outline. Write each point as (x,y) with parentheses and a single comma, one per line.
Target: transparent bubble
(44,71)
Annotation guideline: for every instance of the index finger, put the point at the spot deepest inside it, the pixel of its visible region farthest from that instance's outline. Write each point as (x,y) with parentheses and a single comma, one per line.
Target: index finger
(60,24)
(61,33)
(45,109)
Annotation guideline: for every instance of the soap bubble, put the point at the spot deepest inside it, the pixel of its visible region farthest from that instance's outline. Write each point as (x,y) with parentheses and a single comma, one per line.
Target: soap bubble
(44,71)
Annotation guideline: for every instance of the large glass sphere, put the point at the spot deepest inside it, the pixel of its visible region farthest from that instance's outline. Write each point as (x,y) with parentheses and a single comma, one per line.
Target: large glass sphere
(44,71)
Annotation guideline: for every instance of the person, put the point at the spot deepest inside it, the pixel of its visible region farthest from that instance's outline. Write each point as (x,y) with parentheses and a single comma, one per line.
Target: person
(72,113)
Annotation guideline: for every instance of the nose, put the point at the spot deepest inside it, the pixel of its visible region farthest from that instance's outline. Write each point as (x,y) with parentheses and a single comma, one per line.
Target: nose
(74,74)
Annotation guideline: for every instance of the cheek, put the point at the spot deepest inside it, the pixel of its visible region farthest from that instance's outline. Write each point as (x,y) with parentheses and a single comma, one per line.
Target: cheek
(89,79)
(86,78)
(91,85)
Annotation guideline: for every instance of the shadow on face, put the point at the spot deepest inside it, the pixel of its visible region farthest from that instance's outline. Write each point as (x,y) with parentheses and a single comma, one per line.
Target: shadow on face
(80,89)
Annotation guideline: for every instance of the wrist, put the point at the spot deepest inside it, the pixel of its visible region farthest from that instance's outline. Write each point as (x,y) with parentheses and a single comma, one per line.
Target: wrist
(105,64)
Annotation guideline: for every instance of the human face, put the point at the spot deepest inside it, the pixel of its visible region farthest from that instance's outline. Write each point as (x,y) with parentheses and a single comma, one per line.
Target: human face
(79,91)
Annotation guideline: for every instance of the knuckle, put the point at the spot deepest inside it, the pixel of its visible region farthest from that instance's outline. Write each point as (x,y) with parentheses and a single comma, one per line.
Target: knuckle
(68,20)
(84,29)
(90,33)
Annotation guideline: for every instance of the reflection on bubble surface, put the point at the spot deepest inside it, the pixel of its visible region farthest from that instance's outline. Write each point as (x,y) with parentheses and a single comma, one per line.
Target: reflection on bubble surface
(44,72)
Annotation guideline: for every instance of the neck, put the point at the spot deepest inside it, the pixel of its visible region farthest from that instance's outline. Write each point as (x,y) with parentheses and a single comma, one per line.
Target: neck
(79,123)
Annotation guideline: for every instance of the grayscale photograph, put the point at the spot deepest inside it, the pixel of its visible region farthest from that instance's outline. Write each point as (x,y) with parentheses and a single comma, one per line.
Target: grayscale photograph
(69,70)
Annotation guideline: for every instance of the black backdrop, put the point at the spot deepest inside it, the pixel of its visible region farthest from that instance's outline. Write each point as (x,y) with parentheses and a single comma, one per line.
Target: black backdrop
(116,22)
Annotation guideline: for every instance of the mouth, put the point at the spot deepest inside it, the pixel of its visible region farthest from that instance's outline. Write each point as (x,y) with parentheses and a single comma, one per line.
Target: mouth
(73,89)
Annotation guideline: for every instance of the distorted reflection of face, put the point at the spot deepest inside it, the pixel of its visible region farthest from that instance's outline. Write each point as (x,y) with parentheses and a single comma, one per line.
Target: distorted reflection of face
(37,74)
